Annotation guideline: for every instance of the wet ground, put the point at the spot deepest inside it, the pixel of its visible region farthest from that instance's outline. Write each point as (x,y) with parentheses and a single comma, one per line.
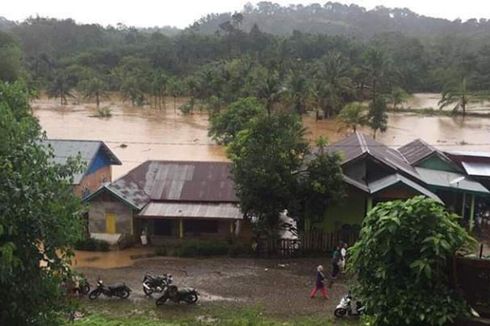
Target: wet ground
(278,287)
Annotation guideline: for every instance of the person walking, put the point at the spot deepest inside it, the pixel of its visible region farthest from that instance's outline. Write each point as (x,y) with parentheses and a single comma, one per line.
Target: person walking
(343,256)
(319,284)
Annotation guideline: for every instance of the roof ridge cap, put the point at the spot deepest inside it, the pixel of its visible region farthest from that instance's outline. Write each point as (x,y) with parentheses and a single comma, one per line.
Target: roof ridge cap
(362,142)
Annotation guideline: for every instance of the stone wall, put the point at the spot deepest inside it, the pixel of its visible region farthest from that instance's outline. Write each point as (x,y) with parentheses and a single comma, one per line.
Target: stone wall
(104,204)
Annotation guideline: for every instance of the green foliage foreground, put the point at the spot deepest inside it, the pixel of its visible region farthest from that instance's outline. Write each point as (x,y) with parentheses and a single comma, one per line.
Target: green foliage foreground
(402,263)
(39,217)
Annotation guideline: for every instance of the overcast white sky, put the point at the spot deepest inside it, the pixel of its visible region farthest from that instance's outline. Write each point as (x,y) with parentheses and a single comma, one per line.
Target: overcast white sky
(181,13)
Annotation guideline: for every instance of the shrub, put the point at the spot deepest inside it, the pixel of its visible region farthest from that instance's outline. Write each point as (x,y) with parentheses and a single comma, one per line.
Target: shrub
(402,263)
(194,248)
(90,244)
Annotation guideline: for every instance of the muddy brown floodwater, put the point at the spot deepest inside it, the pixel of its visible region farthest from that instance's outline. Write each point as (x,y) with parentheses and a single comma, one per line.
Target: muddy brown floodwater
(169,135)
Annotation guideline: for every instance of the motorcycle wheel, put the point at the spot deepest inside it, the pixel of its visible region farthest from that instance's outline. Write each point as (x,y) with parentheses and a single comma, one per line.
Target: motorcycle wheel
(160,301)
(94,294)
(123,294)
(340,312)
(148,291)
(191,298)
(85,289)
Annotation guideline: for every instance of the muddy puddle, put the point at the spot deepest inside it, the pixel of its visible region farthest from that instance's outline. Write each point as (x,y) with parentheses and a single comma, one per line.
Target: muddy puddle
(110,259)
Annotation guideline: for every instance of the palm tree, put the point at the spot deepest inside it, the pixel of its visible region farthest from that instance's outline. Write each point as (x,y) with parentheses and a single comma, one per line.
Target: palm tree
(174,87)
(159,84)
(297,91)
(398,96)
(269,88)
(94,87)
(60,86)
(333,84)
(353,115)
(457,95)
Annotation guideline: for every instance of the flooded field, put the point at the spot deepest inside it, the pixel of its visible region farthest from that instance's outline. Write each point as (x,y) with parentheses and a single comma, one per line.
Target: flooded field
(139,134)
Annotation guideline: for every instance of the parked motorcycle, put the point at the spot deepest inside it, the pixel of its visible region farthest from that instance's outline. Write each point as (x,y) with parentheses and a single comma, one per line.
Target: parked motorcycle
(346,307)
(83,286)
(119,290)
(155,284)
(171,292)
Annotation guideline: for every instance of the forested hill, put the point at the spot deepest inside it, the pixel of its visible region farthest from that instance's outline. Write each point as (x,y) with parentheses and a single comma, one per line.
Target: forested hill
(5,24)
(338,19)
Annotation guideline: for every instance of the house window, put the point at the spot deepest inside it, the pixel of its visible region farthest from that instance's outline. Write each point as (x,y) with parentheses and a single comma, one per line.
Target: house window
(197,227)
(110,223)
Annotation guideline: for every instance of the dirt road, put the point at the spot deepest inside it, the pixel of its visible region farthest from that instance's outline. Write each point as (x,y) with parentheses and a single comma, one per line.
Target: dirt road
(279,287)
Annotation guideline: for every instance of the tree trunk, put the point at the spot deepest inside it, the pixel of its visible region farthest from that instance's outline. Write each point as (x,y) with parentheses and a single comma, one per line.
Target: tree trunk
(97,99)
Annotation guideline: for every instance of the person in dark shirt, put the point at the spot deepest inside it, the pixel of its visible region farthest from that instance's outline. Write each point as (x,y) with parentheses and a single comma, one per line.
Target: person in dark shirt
(319,283)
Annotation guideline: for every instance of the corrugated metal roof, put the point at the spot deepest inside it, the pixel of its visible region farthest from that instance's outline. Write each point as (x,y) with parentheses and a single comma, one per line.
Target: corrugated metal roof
(416,150)
(359,144)
(192,210)
(87,149)
(185,181)
(188,181)
(470,153)
(477,169)
(396,178)
(450,180)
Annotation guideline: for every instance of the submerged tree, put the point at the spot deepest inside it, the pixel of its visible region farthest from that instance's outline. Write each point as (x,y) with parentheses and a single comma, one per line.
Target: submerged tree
(455,93)
(377,117)
(402,262)
(40,218)
(353,115)
(93,87)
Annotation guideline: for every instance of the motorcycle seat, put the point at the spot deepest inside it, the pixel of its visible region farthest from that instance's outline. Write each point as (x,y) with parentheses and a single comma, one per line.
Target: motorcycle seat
(116,286)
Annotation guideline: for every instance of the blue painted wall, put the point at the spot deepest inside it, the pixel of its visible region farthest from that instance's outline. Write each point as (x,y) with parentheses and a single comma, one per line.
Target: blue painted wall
(101,160)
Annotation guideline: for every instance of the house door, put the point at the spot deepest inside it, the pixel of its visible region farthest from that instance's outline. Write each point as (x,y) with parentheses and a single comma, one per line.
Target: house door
(110,223)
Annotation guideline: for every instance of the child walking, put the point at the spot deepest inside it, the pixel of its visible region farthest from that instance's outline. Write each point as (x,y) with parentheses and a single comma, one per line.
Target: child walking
(319,285)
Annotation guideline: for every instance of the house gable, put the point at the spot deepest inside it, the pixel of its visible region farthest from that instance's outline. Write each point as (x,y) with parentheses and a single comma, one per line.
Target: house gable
(437,162)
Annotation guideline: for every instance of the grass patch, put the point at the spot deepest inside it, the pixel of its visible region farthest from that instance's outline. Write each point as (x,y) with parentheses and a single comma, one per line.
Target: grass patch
(115,313)
(203,248)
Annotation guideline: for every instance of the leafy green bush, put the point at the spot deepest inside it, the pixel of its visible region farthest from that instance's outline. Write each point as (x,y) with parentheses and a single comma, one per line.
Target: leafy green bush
(402,263)
(90,244)
(194,248)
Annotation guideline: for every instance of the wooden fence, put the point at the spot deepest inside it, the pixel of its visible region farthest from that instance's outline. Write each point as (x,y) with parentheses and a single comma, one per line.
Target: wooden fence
(472,278)
(308,243)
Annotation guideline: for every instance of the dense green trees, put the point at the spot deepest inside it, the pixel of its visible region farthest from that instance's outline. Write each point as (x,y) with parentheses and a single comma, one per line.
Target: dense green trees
(10,58)
(225,126)
(40,217)
(299,70)
(406,246)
